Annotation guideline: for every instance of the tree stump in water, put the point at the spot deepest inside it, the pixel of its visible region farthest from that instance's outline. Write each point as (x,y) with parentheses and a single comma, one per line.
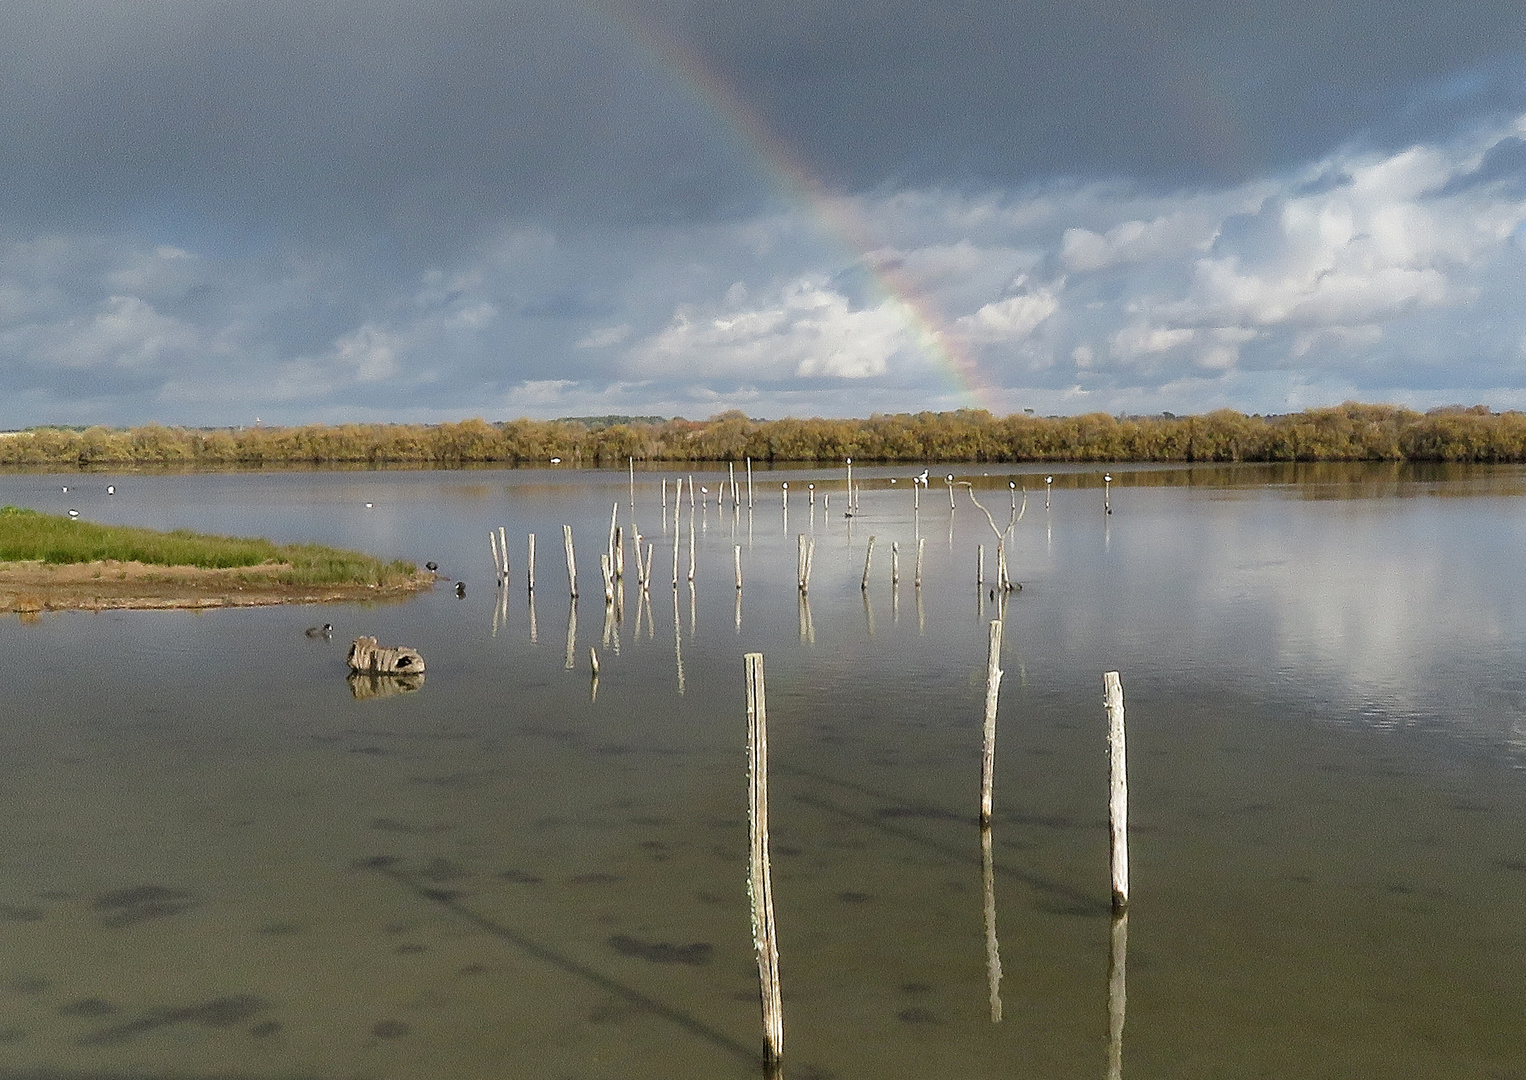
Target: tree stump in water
(367,656)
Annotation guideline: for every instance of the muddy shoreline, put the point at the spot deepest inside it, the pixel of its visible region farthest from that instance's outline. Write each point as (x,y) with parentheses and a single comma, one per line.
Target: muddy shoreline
(27,588)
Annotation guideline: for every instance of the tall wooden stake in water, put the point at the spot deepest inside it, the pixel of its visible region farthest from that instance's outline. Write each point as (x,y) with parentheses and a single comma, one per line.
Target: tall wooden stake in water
(530,564)
(497,559)
(868,561)
(759,884)
(1118,801)
(503,546)
(572,563)
(737,554)
(749,483)
(988,744)
(980,564)
(895,563)
(632,463)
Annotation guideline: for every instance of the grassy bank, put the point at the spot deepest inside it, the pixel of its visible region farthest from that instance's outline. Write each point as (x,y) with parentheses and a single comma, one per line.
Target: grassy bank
(26,535)
(1350,432)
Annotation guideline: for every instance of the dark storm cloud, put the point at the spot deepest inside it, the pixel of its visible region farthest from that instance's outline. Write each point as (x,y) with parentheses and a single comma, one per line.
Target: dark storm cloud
(395,210)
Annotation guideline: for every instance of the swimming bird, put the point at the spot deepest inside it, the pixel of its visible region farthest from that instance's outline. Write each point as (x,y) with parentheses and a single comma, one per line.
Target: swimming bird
(461,589)
(326,630)
(431,566)
(111,489)
(369,505)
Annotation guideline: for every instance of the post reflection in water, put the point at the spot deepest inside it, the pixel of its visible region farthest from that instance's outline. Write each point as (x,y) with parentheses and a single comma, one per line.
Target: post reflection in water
(993,951)
(572,633)
(895,604)
(868,613)
(501,610)
(534,632)
(1115,996)
(678,646)
(921,615)
(807,627)
(739,610)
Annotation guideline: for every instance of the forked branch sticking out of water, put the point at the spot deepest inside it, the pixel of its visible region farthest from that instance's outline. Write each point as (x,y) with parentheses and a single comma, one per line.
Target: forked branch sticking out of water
(1001,534)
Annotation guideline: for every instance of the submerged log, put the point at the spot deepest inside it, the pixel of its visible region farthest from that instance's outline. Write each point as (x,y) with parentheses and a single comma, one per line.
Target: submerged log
(367,656)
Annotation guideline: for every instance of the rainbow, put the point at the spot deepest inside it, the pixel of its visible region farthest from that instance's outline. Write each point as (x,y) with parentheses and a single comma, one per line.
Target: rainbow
(838,216)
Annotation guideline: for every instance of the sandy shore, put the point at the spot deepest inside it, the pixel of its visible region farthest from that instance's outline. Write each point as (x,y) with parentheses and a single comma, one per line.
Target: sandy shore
(30,587)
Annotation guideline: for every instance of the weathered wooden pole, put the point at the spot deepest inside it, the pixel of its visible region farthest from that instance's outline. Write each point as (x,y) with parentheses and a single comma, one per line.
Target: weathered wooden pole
(609,580)
(619,553)
(1107,492)
(731,476)
(868,561)
(593,660)
(810,557)
(749,483)
(676,546)
(759,882)
(664,498)
(784,488)
(632,462)
(800,561)
(895,563)
(850,483)
(1048,484)
(530,565)
(921,546)
(988,743)
(950,482)
(737,558)
(572,564)
(916,495)
(1118,801)
(980,564)
(503,546)
(691,545)
(646,574)
(497,559)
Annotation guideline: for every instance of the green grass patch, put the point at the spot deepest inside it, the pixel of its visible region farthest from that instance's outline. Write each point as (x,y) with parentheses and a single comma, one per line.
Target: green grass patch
(27,535)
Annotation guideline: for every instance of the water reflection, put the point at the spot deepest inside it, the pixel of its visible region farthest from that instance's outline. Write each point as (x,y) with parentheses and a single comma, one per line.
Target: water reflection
(1116,994)
(367,687)
(993,949)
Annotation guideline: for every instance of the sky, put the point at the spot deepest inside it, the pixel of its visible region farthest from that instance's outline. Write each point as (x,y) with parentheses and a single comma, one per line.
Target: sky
(213,212)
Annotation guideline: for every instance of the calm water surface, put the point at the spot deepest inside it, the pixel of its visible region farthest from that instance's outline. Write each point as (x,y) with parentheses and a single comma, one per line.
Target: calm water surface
(216,860)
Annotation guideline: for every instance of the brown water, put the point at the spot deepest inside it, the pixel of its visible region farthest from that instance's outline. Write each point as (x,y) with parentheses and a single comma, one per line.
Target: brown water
(216,861)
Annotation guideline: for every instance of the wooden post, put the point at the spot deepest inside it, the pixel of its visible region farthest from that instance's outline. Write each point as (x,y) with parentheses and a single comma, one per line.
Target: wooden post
(980,565)
(632,462)
(646,575)
(921,544)
(497,559)
(749,483)
(850,483)
(1048,484)
(950,482)
(1107,492)
(731,476)
(618,551)
(868,559)
(664,498)
(759,882)
(675,551)
(916,495)
(691,543)
(614,514)
(593,660)
(737,556)
(572,565)
(691,493)
(800,562)
(503,546)
(895,563)
(1118,801)
(609,580)
(988,744)
(530,564)
(785,489)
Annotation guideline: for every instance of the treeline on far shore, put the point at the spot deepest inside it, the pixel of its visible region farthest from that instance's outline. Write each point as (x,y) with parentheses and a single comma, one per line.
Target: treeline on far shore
(1351,432)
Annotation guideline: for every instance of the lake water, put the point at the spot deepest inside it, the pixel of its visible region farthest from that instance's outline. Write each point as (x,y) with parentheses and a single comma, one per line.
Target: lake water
(217,860)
